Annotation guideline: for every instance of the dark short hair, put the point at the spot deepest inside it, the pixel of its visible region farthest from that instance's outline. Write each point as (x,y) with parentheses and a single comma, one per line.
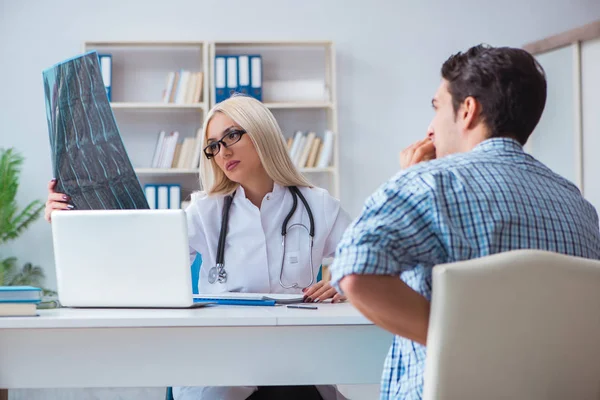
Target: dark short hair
(509,84)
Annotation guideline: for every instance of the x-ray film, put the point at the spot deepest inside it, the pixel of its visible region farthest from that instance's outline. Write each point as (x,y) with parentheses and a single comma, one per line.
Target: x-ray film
(88,157)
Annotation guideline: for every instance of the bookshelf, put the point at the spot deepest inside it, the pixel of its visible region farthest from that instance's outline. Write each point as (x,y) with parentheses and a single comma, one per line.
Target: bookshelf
(139,77)
(289,62)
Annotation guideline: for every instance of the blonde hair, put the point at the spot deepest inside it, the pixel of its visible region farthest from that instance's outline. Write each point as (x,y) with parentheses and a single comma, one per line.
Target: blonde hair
(262,128)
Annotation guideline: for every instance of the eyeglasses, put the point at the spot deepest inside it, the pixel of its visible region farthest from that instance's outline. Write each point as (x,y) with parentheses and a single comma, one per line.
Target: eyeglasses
(229,139)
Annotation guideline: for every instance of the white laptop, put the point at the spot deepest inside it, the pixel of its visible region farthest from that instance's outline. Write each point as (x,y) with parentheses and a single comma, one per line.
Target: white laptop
(122,258)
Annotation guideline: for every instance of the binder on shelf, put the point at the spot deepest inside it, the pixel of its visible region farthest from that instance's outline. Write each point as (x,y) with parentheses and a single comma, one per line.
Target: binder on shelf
(256,77)
(162,200)
(244,75)
(220,79)
(174,197)
(106,71)
(163,197)
(232,75)
(150,192)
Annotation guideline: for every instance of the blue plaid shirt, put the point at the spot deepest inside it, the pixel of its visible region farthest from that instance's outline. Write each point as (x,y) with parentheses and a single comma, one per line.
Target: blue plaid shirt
(492,199)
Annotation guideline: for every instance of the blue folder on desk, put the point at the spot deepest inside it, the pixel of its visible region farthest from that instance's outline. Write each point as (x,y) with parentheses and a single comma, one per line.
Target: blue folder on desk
(249,299)
(235,302)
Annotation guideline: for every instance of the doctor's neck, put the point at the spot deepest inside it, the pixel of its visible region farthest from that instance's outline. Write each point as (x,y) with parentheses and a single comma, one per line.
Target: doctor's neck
(257,187)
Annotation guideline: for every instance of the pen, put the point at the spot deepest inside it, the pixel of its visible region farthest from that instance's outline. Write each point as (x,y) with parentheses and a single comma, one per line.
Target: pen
(304,307)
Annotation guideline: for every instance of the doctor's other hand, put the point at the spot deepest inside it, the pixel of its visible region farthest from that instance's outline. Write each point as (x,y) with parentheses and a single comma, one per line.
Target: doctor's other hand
(56,201)
(322,291)
(423,150)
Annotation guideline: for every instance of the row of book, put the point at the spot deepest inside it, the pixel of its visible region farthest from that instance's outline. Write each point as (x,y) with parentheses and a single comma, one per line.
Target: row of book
(163,197)
(310,151)
(19,301)
(170,153)
(238,74)
(183,87)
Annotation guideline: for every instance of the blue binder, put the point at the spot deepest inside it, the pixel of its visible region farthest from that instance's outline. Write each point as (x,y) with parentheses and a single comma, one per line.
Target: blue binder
(220,79)
(106,70)
(232,75)
(172,200)
(256,77)
(244,75)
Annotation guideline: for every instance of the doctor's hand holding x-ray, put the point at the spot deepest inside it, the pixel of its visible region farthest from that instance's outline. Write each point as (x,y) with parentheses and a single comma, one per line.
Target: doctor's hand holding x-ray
(259,225)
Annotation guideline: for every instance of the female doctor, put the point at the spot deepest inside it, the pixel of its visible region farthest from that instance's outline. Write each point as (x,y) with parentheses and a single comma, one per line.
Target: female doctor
(259,224)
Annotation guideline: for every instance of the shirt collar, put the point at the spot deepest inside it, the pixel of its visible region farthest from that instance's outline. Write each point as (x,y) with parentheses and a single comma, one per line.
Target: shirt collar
(276,193)
(499,143)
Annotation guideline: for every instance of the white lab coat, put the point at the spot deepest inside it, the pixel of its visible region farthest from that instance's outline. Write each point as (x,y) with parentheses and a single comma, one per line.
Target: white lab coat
(253,254)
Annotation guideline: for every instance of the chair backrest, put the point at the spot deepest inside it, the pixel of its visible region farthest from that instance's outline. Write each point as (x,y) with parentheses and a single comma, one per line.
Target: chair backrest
(518,325)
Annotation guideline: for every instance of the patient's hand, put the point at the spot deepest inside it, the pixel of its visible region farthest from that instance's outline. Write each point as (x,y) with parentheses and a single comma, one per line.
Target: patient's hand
(423,150)
(322,291)
(56,201)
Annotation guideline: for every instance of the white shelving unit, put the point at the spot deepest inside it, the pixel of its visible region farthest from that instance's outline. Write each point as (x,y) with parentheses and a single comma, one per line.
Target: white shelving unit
(139,71)
(291,60)
(157,106)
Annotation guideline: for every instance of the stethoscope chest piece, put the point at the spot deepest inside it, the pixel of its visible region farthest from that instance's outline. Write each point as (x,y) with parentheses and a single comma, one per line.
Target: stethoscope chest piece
(217,274)
(212,275)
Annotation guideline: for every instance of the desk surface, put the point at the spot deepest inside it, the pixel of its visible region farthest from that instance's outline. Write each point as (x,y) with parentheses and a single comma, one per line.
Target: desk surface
(220,345)
(327,314)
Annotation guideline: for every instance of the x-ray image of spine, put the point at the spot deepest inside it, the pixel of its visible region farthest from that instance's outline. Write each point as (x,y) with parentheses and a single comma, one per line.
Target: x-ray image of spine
(88,156)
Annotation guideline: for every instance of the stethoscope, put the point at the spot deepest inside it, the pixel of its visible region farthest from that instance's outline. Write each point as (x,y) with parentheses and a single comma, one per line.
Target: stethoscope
(218,273)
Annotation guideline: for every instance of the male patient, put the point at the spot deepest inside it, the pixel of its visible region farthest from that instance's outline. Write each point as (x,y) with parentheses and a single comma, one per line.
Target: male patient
(481,195)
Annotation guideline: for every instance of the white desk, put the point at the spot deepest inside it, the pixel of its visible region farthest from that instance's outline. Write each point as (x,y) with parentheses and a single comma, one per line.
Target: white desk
(214,346)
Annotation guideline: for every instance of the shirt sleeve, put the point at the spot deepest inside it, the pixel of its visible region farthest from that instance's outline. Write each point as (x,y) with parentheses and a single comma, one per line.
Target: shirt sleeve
(196,237)
(339,221)
(396,231)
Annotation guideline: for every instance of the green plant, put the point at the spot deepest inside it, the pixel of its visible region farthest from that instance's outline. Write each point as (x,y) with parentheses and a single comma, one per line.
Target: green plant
(13,222)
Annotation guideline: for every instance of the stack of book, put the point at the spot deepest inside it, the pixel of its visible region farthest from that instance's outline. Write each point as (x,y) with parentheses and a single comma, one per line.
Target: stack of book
(183,87)
(310,151)
(168,153)
(19,301)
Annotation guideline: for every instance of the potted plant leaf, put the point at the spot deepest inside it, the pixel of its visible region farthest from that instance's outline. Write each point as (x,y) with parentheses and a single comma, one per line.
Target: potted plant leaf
(14,221)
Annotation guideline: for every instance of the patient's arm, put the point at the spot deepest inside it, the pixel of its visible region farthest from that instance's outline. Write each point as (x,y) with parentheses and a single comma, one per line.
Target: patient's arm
(389,303)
